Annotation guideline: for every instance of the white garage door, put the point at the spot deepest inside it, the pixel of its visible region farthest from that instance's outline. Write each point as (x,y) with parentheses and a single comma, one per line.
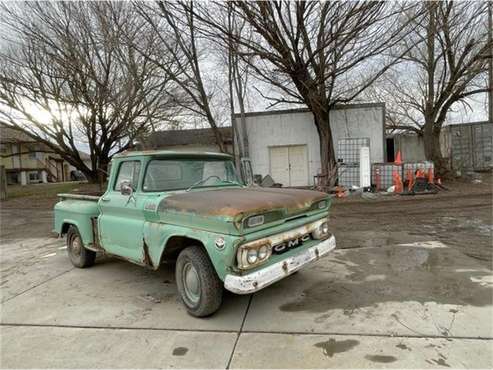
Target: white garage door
(289,165)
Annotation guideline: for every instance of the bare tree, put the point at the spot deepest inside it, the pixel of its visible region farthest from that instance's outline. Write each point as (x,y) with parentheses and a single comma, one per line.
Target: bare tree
(71,61)
(317,54)
(490,63)
(238,76)
(174,24)
(445,66)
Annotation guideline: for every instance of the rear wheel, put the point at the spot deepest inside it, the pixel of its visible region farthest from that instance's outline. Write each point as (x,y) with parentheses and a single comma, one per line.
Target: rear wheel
(199,286)
(78,254)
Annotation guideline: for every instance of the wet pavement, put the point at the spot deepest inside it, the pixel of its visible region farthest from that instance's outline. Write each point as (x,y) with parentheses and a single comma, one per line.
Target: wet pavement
(391,297)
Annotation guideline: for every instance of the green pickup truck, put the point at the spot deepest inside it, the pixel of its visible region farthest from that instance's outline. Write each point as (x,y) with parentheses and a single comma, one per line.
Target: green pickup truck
(191,208)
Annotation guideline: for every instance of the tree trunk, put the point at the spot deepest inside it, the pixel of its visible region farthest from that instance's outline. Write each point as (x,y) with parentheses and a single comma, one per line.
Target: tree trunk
(327,152)
(99,173)
(490,62)
(216,131)
(92,176)
(433,152)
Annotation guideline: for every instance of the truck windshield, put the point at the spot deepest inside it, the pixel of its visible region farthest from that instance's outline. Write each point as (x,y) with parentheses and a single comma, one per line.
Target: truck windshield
(166,174)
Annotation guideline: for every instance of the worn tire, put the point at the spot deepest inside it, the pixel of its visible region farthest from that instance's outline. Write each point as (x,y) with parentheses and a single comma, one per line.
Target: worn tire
(77,253)
(209,290)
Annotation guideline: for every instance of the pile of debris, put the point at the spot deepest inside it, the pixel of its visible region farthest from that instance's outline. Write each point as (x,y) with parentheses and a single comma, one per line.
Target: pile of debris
(404,178)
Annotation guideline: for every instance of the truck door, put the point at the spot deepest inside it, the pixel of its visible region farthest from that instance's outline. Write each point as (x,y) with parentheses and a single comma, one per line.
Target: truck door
(121,220)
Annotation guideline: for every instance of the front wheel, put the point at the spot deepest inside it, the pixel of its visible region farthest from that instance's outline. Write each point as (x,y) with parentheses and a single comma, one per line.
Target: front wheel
(78,254)
(199,286)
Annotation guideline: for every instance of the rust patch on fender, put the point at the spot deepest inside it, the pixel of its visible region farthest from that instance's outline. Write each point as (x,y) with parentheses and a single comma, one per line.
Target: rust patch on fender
(147,258)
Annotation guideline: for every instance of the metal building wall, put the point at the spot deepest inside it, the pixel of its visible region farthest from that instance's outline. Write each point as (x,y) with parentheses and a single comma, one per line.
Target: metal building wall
(472,146)
(296,127)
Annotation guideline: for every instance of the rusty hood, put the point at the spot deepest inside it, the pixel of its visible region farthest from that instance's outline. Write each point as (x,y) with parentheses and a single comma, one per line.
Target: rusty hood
(234,202)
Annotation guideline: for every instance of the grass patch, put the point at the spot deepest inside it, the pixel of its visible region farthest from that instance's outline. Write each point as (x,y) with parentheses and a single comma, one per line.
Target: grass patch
(48,190)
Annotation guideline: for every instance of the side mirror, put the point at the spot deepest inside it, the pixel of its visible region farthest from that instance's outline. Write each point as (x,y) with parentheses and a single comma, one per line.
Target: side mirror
(126,188)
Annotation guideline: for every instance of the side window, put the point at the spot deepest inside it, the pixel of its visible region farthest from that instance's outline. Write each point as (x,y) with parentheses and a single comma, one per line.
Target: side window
(128,171)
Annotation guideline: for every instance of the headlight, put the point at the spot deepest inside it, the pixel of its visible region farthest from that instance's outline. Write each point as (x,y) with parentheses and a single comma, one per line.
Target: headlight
(255,220)
(320,205)
(250,256)
(322,231)
(262,252)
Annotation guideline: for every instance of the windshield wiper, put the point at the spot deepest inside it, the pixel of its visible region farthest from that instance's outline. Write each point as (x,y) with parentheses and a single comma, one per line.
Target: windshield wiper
(210,177)
(202,181)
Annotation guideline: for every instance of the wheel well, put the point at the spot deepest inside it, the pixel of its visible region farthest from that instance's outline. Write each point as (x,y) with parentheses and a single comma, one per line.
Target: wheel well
(65,228)
(176,244)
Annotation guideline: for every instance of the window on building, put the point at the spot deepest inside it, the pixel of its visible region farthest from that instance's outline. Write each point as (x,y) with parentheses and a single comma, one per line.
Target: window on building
(34,177)
(31,152)
(13,178)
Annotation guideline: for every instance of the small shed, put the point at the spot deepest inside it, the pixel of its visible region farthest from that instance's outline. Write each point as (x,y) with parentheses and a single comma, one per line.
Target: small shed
(285,143)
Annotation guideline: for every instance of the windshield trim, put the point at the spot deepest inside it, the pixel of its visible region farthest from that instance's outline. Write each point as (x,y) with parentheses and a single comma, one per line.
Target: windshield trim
(219,185)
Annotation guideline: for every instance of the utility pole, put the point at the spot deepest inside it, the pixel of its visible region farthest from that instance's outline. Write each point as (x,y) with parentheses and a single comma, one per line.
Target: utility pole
(490,62)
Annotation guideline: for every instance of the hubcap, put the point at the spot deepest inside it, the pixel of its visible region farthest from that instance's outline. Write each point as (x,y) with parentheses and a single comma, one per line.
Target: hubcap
(76,246)
(191,282)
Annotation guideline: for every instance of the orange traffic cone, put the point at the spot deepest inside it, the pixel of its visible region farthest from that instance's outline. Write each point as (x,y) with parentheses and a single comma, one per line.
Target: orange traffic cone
(431,176)
(340,192)
(410,180)
(397,182)
(398,159)
(420,173)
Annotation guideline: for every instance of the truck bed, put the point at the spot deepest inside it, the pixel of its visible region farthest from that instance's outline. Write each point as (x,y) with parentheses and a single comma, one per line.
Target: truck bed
(92,196)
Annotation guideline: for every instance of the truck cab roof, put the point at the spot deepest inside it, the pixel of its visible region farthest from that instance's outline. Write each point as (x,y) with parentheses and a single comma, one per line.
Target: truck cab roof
(172,154)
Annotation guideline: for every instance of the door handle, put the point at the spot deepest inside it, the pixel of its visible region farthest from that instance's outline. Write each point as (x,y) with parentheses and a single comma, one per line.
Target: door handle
(105,199)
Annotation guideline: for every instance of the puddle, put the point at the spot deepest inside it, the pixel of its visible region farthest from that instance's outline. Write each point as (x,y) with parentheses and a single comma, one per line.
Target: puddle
(381,358)
(332,346)
(403,347)
(376,239)
(452,224)
(180,351)
(48,255)
(431,244)
(439,361)
(411,274)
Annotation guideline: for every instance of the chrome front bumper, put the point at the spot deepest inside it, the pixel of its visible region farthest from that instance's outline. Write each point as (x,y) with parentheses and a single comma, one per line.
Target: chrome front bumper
(260,279)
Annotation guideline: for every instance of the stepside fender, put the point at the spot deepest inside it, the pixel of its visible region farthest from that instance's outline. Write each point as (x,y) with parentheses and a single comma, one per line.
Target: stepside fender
(157,236)
(78,213)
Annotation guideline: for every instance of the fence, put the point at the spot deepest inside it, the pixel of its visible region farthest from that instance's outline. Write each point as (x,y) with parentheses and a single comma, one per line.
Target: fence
(382,175)
(348,152)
